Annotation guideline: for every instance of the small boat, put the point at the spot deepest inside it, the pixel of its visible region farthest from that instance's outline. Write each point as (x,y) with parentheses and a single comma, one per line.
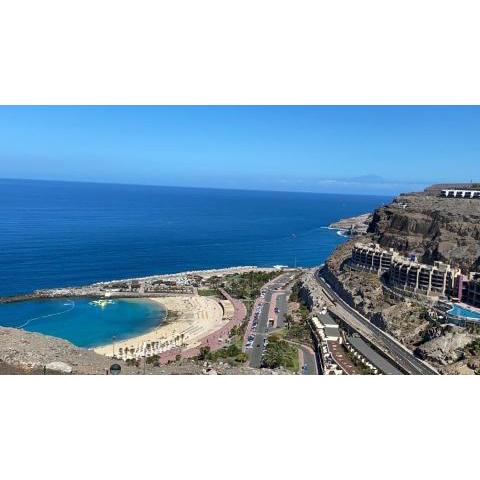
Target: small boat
(102,303)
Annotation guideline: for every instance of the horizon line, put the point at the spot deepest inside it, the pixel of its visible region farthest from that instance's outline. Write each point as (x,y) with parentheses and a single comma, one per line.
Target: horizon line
(199,188)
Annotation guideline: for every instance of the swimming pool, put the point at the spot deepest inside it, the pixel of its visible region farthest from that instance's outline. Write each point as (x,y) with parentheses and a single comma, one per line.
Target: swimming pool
(458,311)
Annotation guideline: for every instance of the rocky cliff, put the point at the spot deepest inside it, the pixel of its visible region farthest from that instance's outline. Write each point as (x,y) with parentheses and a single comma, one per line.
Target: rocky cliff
(435,228)
(446,229)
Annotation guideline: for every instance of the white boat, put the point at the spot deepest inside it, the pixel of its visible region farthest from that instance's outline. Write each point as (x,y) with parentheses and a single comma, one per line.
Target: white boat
(102,303)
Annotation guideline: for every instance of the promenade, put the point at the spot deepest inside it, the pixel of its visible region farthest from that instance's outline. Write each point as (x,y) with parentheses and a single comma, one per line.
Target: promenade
(214,340)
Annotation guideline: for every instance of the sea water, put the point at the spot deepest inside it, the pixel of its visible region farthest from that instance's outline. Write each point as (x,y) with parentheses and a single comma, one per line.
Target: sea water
(56,234)
(83,322)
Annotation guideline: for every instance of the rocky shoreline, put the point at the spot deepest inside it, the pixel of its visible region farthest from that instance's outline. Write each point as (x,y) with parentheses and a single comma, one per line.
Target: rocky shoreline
(353,226)
(138,287)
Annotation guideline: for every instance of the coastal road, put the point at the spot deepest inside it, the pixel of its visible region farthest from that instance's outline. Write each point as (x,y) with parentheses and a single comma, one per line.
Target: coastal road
(387,344)
(308,360)
(279,301)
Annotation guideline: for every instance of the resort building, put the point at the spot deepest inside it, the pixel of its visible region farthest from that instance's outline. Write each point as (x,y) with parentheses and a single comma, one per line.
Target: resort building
(454,193)
(372,257)
(437,279)
(440,280)
(407,273)
(440,189)
(328,340)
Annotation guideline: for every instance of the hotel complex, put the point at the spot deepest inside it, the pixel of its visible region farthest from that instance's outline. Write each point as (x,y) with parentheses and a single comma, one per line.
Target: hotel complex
(372,257)
(462,193)
(455,190)
(439,279)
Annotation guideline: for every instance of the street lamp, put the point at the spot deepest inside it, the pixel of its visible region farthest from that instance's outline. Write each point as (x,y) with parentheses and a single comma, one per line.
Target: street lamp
(294,236)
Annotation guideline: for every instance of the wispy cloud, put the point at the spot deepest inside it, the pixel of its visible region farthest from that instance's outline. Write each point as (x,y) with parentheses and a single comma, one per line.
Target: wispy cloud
(372,182)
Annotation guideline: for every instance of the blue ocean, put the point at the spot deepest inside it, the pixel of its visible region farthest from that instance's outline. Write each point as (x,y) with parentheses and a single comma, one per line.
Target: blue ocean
(82,322)
(55,234)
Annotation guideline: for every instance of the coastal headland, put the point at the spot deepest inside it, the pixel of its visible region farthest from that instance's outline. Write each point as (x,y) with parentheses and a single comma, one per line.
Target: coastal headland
(353,226)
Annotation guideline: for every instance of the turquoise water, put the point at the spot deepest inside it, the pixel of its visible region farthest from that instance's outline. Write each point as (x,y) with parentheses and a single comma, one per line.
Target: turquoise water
(464,312)
(80,322)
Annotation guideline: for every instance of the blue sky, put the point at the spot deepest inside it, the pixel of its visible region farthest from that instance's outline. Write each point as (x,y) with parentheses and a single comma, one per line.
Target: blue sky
(376,150)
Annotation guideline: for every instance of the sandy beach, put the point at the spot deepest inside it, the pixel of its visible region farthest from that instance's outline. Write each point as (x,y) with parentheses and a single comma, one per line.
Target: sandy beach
(196,317)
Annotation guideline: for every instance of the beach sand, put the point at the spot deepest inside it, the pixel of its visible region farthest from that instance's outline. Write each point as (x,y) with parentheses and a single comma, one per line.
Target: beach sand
(196,317)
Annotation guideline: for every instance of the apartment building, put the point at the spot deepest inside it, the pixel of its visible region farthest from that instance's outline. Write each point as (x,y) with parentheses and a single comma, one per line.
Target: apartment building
(372,257)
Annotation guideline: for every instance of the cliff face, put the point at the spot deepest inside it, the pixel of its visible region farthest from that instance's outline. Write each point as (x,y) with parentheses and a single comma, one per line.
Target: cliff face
(446,229)
(435,228)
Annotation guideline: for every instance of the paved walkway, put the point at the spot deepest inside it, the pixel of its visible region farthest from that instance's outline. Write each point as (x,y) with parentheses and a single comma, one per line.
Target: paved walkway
(306,357)
(215,340)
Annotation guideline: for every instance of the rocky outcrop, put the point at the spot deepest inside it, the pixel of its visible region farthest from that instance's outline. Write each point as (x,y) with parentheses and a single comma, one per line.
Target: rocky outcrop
(447,348)
(33,350)
(353,226)
(61,367)
(445,229)
(310,292)
(404,321)
(24,352)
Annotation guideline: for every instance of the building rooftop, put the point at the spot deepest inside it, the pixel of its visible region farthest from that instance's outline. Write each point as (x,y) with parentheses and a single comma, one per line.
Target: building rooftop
(341,358)
(373,357)
(332,332)
(327,320)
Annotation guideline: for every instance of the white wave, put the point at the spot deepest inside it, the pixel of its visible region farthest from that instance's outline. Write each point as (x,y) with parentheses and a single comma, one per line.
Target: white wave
(30,320)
